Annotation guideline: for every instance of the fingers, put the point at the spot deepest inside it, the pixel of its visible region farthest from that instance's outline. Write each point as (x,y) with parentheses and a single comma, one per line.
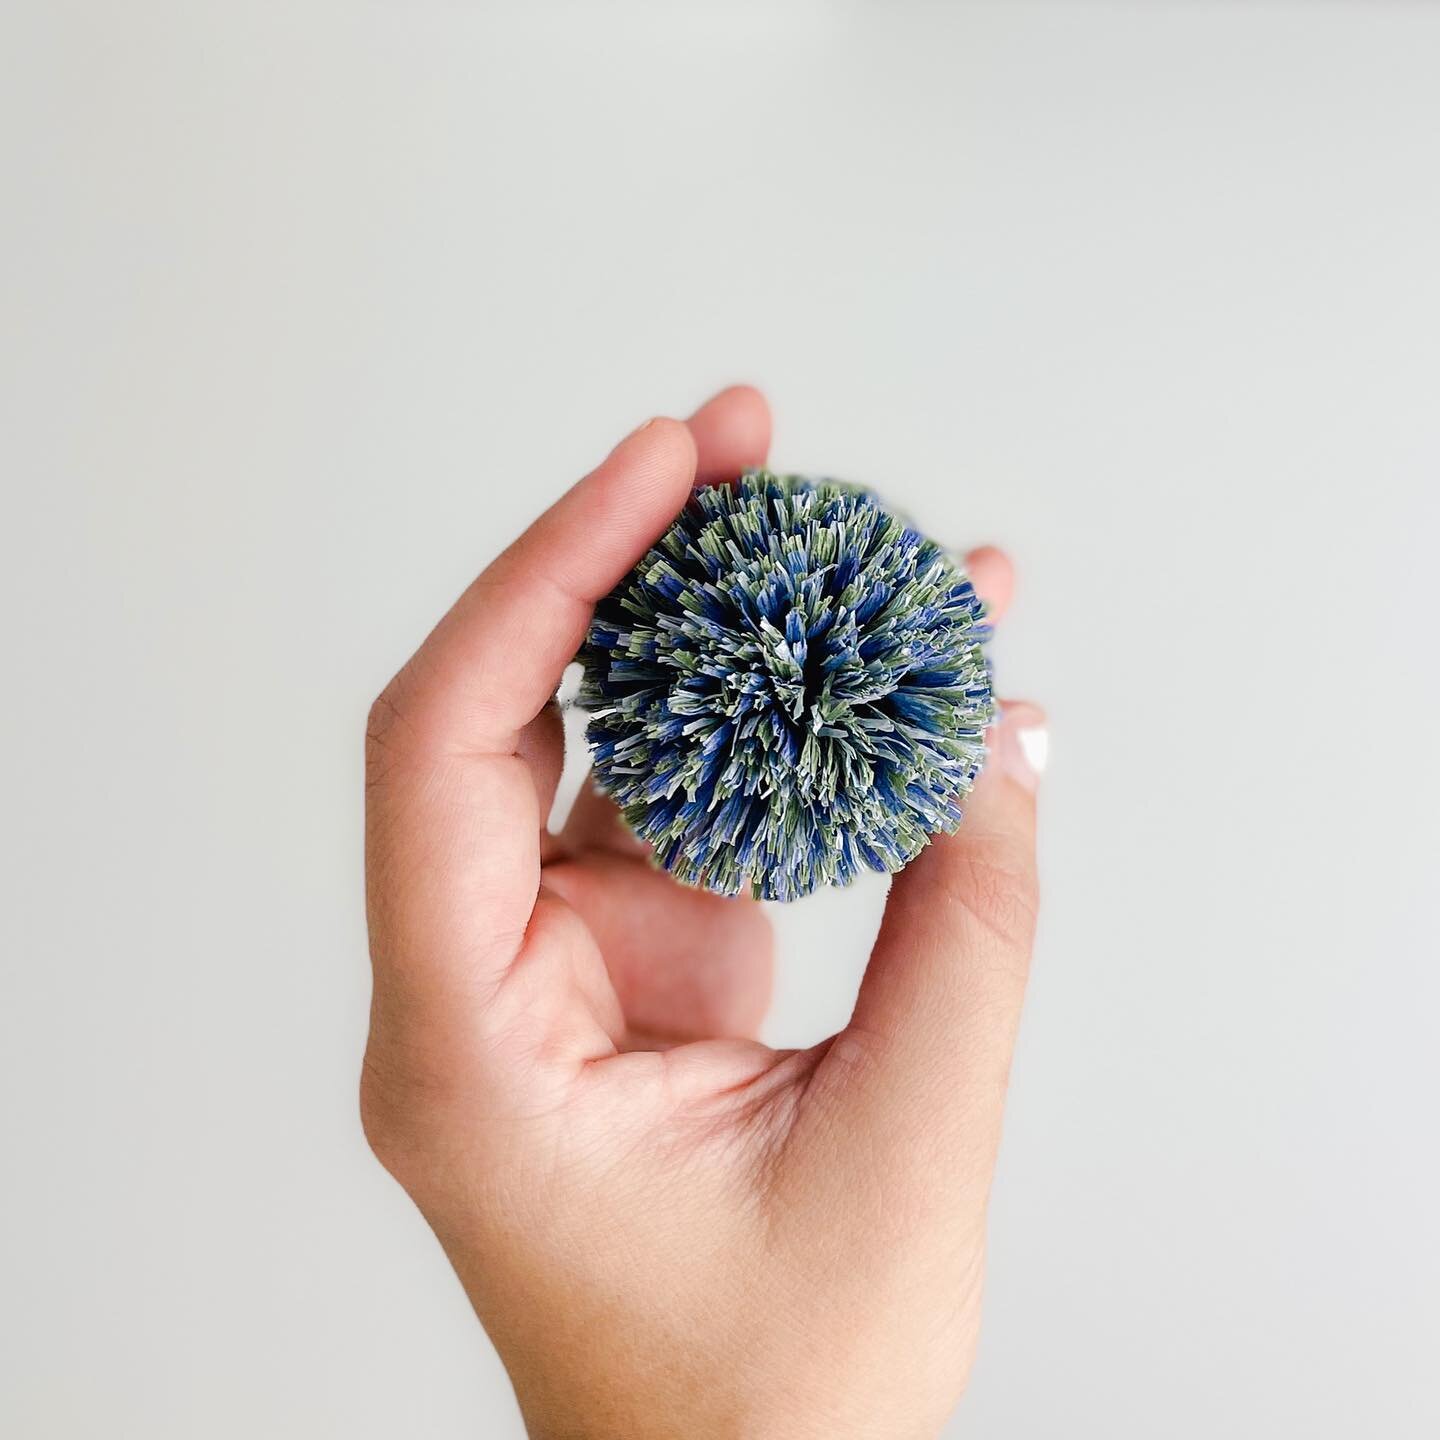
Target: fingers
(994,578)
(453,814)
(491,664)
(940,1002)
(732,434)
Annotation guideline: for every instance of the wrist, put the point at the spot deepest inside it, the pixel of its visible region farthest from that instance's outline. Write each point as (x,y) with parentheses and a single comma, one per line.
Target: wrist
(626,1412)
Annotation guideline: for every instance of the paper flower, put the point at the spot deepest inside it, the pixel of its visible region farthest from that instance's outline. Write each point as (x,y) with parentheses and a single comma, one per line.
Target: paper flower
(787,689)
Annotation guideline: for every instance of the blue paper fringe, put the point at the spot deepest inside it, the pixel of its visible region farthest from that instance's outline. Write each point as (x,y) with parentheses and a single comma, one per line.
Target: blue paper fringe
(789,688)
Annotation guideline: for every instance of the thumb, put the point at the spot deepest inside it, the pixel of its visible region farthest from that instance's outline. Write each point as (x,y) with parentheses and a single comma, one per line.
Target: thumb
(939,1007)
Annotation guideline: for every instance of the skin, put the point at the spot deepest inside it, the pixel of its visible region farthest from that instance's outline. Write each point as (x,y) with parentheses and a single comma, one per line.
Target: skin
(667,1227)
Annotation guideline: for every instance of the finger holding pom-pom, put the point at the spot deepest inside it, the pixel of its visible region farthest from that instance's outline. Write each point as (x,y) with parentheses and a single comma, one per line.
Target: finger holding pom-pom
(993,575)
(732,434)
(453,809)
(940,1003)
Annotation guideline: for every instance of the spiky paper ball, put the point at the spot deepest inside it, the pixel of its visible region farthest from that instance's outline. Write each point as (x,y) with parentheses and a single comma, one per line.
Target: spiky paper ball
(789,687)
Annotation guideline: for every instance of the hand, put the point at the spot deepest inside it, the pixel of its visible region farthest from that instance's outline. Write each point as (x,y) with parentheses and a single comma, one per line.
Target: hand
(668,1228)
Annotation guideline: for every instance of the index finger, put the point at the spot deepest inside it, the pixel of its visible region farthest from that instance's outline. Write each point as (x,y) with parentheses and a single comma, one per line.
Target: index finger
(494,660)
(452,823)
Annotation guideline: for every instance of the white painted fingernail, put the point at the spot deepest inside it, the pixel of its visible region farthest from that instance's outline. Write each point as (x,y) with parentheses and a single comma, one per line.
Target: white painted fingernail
(1022,742)
(1035,745)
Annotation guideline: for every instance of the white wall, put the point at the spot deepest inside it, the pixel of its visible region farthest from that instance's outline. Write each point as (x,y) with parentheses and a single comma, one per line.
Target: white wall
(308,305)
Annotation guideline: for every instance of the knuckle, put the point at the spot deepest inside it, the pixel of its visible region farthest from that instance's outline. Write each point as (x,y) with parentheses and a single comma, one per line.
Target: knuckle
(854,1059)
(381,717)
(397,725)
(408,722)
(381,725)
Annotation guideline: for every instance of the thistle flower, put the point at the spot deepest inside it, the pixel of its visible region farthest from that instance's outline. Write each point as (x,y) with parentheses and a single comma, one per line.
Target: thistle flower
(787,689)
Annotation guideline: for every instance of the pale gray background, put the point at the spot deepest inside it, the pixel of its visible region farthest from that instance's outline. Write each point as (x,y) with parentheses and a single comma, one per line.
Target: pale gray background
(307,307)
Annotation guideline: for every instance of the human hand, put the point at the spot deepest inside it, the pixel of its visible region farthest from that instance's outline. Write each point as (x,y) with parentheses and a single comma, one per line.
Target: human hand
(666,1227)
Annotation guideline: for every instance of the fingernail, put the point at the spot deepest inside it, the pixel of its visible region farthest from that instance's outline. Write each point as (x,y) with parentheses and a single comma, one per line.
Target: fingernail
(1035,747)
(1022,743)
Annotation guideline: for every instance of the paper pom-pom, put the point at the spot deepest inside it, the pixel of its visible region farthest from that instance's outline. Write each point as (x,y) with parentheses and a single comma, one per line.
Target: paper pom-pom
(787,689)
